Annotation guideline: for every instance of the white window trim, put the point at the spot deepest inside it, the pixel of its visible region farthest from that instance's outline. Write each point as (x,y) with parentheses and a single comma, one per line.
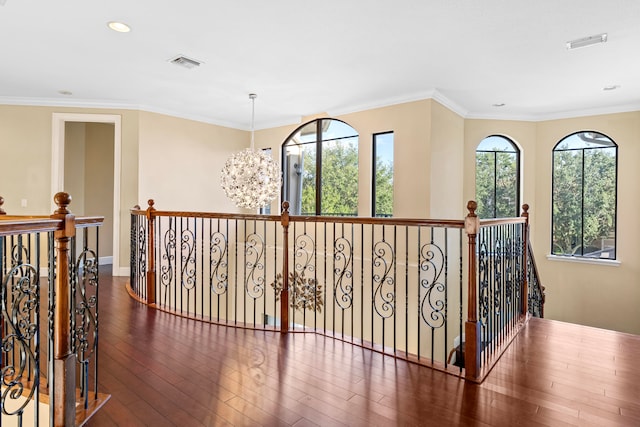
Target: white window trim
(584,260)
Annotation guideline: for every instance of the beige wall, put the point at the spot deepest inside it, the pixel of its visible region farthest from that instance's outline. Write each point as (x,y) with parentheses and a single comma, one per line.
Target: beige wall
(181,160)
(74,164)
(98,197)
(26,139)
(177,162)
(411,124)
(598,295)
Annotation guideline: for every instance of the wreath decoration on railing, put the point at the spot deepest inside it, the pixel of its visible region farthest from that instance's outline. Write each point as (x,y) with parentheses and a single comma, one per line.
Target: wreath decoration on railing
(304,293)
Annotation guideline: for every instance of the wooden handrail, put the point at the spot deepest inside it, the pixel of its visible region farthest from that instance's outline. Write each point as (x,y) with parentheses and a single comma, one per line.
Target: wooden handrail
(473,327)
(63,224)
(450,223)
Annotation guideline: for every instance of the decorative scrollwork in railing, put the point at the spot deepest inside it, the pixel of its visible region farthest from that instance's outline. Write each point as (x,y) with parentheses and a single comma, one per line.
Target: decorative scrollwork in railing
(483,285)
(304,249)
(343,256)
(141,250)
(20,352)
(218,264)
(535,295)
(433,302)
(511,272)
(19,253)
(497,257)
(254,263)
(188,259)
(384,296)
(85,333)
(168,256)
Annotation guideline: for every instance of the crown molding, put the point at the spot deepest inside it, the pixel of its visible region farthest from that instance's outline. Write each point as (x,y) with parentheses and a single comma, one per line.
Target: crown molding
(295,119)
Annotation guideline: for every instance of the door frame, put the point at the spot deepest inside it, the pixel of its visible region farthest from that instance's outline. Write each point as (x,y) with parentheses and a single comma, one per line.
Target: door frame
(57,168)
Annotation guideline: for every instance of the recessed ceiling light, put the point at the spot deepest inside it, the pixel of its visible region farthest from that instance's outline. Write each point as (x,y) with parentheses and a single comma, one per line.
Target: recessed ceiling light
(498,104)
(65,92)
(587,41)
(120,27)
(611,87)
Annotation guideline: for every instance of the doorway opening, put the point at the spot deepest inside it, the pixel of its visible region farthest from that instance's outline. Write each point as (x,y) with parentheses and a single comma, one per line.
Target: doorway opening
(70,131)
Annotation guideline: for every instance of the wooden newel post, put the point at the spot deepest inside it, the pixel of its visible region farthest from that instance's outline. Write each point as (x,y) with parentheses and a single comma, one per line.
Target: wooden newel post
(151,254)
(473,335)
(2,212)
(64,363)
(525,261)
(284,295)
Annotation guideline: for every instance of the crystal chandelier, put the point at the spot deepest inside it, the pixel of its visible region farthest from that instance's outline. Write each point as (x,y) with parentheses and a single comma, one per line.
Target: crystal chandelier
(251,178)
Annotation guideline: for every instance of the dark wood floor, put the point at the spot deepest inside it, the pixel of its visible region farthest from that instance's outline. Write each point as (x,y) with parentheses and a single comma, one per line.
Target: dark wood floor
(163,370)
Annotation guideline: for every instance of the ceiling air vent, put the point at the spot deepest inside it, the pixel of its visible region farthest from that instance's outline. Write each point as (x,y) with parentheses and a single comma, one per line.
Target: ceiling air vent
(185,62)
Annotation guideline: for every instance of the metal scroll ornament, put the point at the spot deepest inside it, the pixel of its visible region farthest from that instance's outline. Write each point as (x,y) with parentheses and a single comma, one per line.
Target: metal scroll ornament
(254,263)
(218,263)
(433,301)
(343,291)
(86,323)
(384,297)
(21,360)
(188,259)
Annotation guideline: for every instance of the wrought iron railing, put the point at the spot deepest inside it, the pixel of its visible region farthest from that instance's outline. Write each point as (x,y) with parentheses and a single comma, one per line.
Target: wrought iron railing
(49,324)
(393,285)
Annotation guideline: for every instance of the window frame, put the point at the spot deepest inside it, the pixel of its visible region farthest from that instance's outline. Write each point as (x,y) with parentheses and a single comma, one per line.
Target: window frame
(374,171)
(495,171)
(581,256)
(318,141)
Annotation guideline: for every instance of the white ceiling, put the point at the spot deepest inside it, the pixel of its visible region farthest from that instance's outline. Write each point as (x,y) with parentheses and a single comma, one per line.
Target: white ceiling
(305,57)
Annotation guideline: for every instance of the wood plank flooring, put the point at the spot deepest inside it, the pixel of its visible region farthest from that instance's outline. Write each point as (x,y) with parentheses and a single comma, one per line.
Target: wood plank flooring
(163,370)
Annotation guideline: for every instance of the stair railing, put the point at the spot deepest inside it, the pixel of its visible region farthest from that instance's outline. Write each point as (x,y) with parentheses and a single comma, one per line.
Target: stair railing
(42,359)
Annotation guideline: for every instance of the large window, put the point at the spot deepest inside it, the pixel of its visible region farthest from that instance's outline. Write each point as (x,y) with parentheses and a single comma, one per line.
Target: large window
(497,178)
(382,174)
(320,169)
(584,196)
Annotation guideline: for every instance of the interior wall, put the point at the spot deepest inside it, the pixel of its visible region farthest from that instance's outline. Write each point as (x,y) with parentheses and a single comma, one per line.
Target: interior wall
(523,134)
(597,295)
(25,138)
(74,164)
(411,124)
(181,161)
(447,164)
(98,178)
(25,141)
(600,295)
(178,162)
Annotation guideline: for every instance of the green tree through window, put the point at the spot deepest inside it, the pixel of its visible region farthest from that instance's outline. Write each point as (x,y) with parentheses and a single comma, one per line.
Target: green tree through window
(383,174)
(497,178)
(584,196)
(320,169)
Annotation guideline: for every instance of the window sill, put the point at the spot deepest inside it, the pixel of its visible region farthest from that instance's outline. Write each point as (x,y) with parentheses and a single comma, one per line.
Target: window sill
(582,260)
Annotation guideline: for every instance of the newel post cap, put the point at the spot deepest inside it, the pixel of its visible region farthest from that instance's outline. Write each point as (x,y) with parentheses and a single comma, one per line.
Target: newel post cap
(472,222)
(62,200)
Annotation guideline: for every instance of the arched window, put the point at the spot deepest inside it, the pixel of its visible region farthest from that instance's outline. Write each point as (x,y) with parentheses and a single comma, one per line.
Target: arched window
(320,169)
(497,178)
(585,168)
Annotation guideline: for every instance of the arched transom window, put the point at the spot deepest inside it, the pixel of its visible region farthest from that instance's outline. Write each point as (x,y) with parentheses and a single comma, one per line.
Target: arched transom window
(497,178)
(320,169)
(584,196)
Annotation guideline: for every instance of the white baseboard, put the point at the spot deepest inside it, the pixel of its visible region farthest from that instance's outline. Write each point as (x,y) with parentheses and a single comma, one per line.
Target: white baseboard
(122,271)
(105,260)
